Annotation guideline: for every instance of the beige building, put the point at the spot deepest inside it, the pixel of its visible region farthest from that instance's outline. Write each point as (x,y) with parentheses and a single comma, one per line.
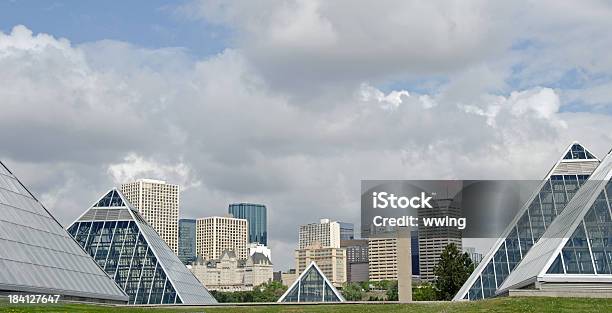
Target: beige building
(325,233)
(158,202)
(229,273)
(216,234)
(382,259)
(287,278)
(332,261)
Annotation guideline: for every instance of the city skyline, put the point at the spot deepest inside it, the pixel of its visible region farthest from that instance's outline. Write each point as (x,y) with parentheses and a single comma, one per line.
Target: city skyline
(292,103)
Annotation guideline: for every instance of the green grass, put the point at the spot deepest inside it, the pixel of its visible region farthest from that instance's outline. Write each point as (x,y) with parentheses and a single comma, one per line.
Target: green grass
(554,305)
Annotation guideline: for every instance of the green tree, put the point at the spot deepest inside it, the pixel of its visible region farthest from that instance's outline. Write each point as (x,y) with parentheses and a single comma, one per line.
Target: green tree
(392,292)
(352,292)
(266,292)
(424,292)
(365,285)
(452,271)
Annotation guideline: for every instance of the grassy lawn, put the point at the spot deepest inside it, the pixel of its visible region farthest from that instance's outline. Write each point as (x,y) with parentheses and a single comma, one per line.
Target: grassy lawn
(555,305)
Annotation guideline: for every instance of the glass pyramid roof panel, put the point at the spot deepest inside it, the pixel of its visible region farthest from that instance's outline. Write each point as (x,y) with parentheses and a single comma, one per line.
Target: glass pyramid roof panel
(578,152)
(130,250)
(519,238)
(38,256)
(312,286)
(577,244)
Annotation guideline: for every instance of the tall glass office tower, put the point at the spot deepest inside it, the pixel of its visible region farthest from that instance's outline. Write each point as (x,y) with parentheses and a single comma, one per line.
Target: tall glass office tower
(257,217)
(347,231)
(187,240)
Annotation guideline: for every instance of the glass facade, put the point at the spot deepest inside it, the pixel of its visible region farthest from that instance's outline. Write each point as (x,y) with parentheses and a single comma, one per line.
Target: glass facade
(414,251)
(548,203)
(256,215)
(187,240)
(124,254)
(589,249)
(577,152)
(312,286)
(347,231)
(38,255)
(134,255)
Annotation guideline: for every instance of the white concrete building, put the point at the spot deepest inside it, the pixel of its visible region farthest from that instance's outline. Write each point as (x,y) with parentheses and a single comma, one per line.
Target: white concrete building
(217,234)
(326,233)
(158,202)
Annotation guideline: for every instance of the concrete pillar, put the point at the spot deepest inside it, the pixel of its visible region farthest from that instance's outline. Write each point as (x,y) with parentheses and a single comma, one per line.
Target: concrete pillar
(404,265)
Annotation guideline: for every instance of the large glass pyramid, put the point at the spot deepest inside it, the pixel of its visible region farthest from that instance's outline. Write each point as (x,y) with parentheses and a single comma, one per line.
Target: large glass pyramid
(576,250)
(134,255)
(38,256)
(312,286)
(558,187)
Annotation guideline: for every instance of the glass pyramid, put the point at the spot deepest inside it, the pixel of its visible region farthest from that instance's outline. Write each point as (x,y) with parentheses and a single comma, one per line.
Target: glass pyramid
(312,286)
(557,189)
(577,247)
(578,152)
(134,255)
(38,256)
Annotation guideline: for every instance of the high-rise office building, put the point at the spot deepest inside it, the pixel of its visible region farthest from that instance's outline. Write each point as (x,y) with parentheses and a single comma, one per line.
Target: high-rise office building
(158,202)
(133,254)
(326,233)
(217,234)
(347,231)
(332,261)
(187,240)
(256,215)
(563,181)
(382,259)
(433,240)
(37,256)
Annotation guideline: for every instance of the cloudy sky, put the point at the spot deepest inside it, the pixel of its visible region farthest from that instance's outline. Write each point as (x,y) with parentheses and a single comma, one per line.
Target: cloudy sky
(293,103)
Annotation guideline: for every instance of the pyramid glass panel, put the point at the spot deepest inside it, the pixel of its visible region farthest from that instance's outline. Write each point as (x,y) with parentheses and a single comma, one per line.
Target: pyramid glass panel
(576,249)
(134,255)
(556,267)
(38,256)
(312,286)
(578,152)
(530,224)
(580,256)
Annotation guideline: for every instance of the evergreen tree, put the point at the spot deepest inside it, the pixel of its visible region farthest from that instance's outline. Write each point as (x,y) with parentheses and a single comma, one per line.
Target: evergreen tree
(452,271)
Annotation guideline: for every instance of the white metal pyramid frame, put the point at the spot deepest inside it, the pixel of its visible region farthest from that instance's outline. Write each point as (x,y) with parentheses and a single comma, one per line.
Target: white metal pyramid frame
(186,285)
(535,265)
(587,165)
(297,284)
